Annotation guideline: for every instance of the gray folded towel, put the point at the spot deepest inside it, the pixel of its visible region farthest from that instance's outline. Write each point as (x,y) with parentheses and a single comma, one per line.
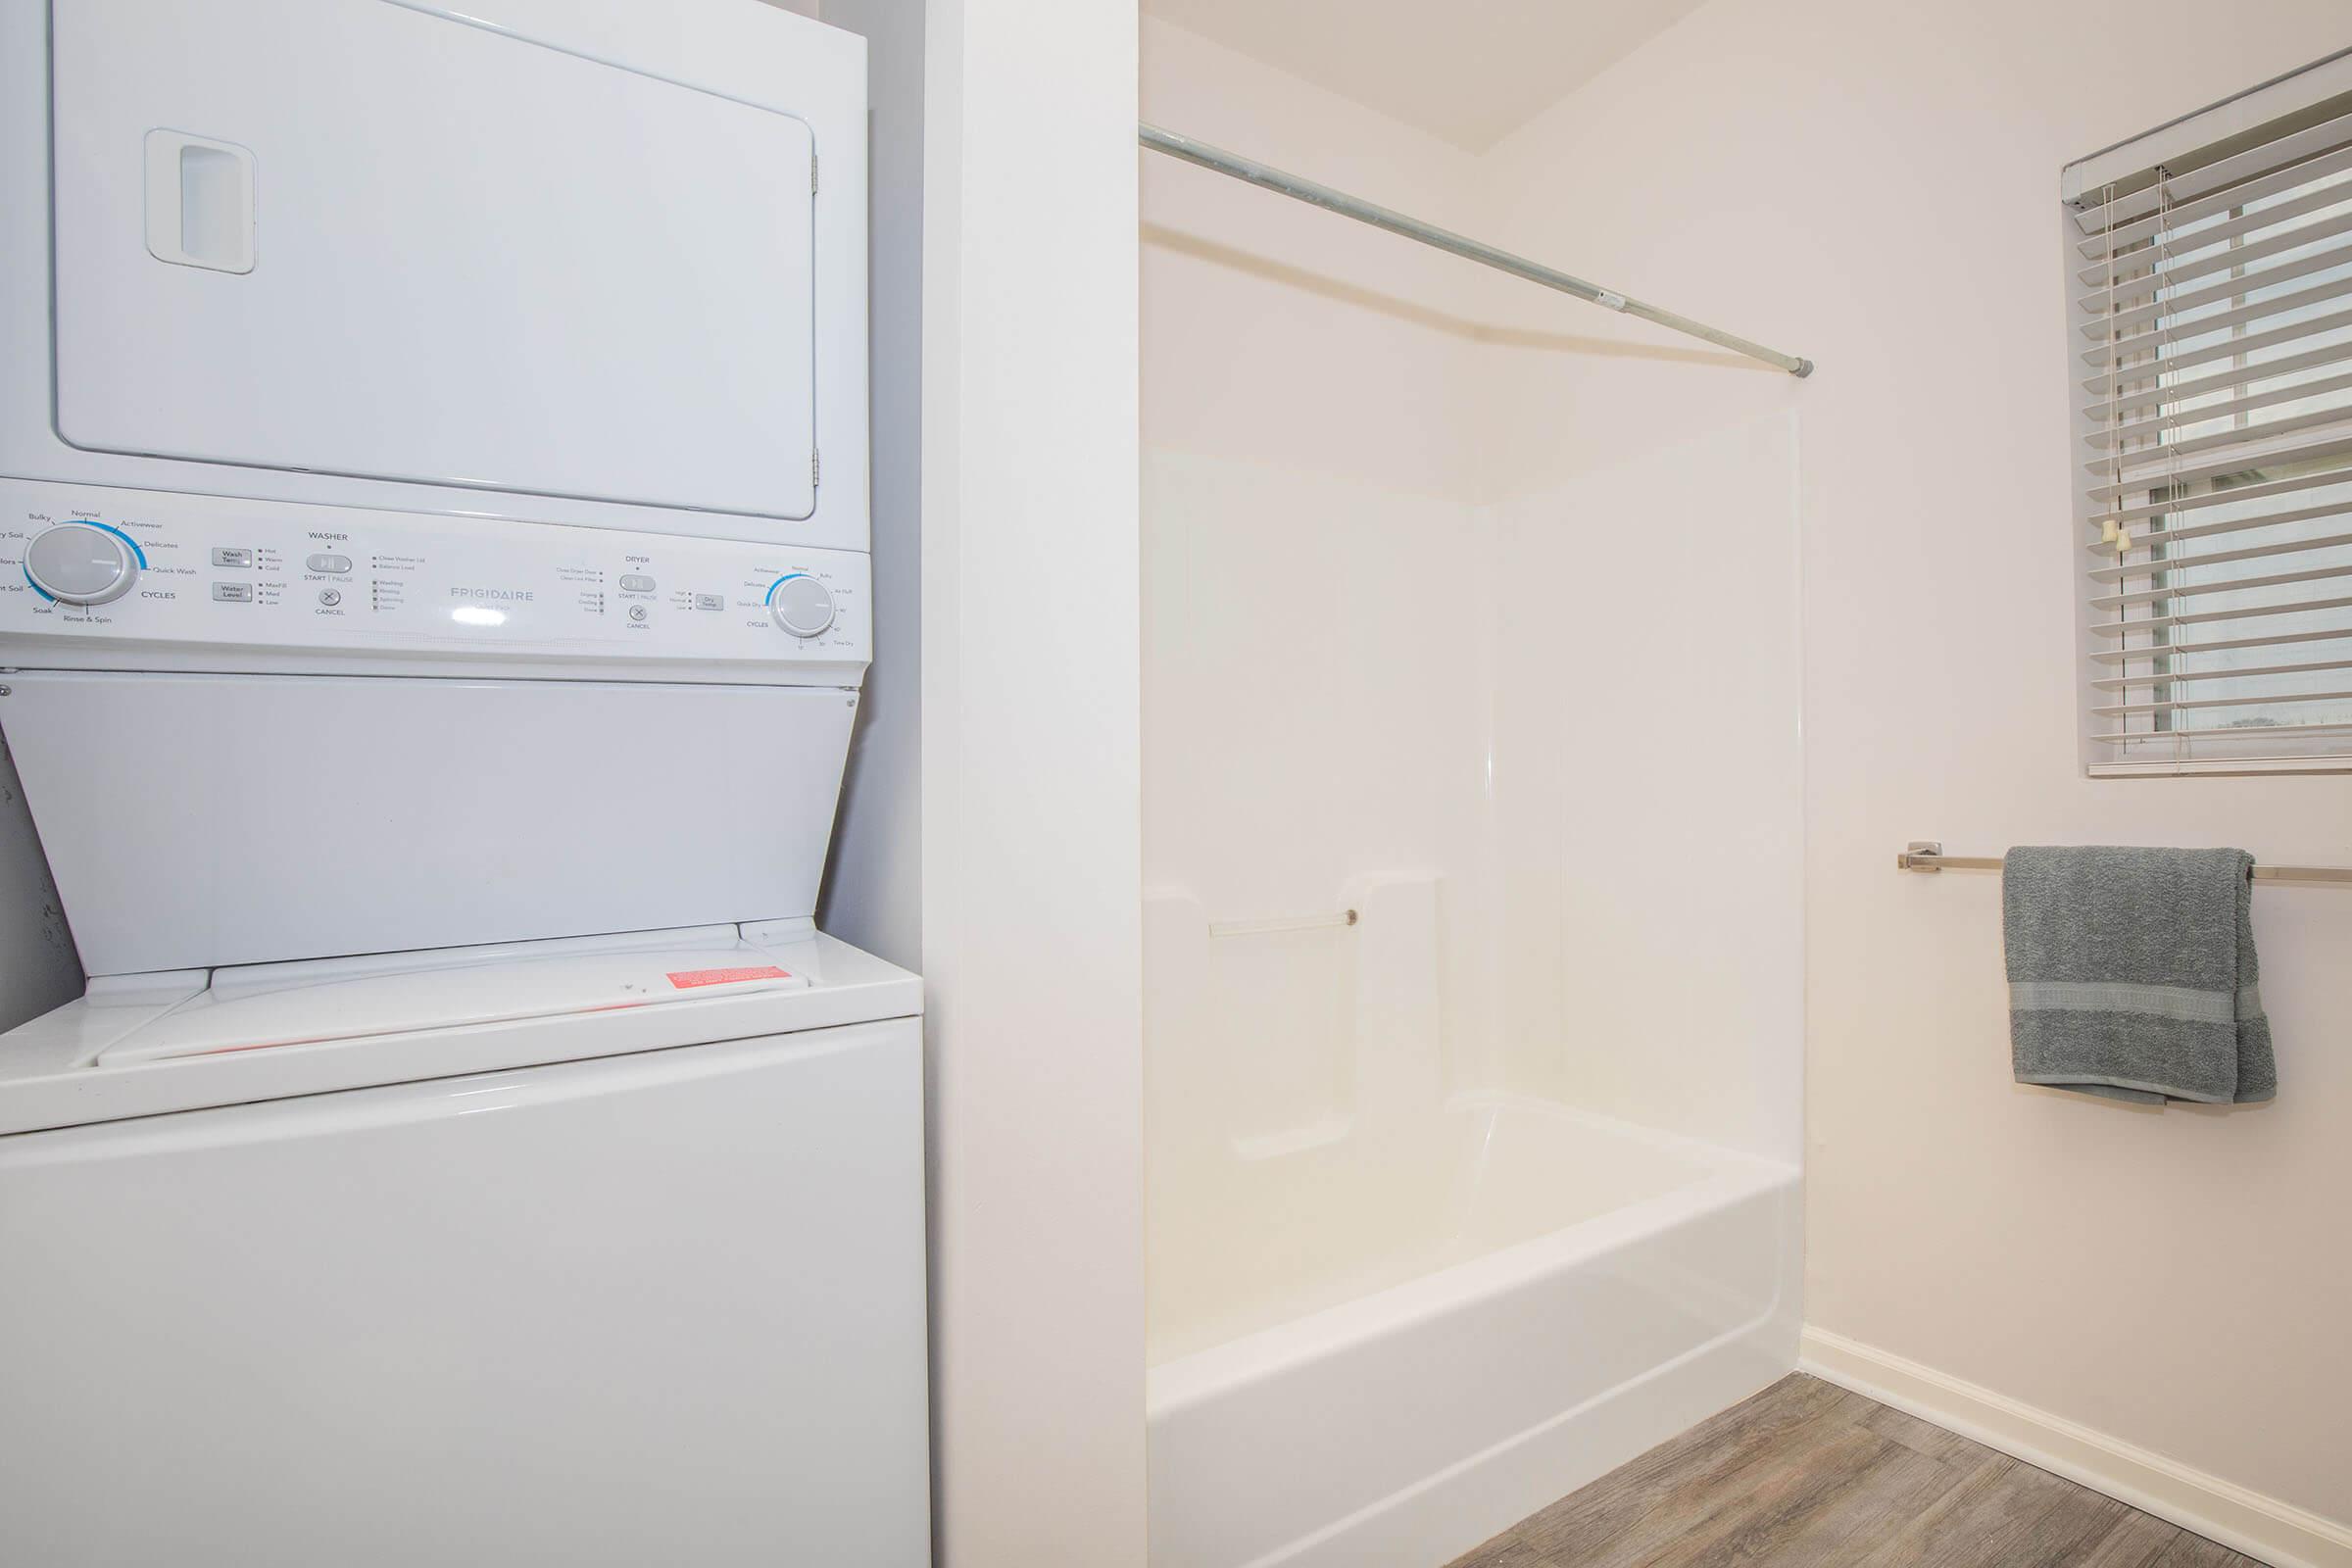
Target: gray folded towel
(2131,973)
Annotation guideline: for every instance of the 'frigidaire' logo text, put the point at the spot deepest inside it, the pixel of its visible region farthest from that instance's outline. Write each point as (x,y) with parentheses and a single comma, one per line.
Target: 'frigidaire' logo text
(521,594)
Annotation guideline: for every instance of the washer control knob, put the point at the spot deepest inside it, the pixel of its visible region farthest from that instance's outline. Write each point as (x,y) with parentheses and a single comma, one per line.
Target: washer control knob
(81,563)
(801,606)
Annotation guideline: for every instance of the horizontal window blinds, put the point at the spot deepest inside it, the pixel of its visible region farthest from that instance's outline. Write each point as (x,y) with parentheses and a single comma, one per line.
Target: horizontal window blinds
(2210,343)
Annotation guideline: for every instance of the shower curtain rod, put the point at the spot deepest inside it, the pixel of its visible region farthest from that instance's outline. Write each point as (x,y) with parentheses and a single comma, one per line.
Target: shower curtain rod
(1363,211)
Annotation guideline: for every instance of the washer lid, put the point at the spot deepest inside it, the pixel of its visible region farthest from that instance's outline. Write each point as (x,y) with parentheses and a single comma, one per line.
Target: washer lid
(250,1012)
(154,1043)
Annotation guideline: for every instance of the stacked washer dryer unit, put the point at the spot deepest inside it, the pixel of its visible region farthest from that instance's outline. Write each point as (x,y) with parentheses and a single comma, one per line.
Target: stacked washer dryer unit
(434,598)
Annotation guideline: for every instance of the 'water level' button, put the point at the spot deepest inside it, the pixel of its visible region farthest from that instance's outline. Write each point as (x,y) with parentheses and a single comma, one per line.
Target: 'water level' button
(233,593)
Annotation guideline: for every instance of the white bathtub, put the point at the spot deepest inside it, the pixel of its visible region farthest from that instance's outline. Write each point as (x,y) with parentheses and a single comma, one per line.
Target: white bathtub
(1383,1349)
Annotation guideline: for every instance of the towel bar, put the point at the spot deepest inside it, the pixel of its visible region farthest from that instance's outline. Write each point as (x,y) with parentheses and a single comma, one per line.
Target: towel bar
(1296,922)
(1927,855)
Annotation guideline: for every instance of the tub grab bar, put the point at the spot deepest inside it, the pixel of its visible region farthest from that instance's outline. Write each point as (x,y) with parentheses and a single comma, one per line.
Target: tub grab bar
(1296,922)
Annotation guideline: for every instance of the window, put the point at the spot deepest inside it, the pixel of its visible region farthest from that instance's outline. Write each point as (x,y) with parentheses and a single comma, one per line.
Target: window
(2210,339)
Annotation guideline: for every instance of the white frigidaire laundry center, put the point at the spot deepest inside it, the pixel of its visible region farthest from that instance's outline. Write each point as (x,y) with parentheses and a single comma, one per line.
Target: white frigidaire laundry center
(433,600)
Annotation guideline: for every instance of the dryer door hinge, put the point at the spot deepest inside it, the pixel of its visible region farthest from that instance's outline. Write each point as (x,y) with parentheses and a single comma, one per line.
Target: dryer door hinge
(812,455)
(812,173)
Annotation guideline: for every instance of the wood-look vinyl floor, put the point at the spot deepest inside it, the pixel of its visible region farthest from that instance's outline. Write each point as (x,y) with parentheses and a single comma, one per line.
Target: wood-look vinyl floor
(1808,1474)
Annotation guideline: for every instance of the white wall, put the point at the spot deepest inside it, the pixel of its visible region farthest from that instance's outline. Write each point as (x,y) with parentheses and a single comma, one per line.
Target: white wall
(1031,781)
(38,968)
(1875,187)
(873,883)
(1282,336)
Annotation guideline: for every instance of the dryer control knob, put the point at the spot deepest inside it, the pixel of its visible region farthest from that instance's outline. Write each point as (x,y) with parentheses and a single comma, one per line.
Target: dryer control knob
(82,563)
(801,605)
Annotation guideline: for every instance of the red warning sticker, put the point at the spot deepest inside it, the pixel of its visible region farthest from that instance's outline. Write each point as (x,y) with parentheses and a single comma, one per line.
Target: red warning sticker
(688,979)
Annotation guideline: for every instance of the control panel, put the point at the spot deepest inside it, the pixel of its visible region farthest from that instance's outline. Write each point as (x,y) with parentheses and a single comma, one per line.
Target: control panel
(190,576)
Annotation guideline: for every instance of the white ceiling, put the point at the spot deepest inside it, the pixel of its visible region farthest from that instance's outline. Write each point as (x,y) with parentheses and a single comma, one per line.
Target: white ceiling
(1469,71)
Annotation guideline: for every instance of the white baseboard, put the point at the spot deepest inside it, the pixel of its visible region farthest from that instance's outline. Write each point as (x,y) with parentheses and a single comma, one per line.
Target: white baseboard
(2263,1527)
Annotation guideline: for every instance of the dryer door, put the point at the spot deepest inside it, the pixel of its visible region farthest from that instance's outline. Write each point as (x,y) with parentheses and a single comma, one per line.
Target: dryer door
(359,237)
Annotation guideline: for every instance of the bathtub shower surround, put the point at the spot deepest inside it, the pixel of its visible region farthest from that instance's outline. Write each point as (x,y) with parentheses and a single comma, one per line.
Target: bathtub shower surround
(1460,1204)
(1456,1206)
(1527,1296)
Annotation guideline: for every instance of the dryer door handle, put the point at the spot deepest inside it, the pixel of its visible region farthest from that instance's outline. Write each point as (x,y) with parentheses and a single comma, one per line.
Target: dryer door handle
(199,202)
